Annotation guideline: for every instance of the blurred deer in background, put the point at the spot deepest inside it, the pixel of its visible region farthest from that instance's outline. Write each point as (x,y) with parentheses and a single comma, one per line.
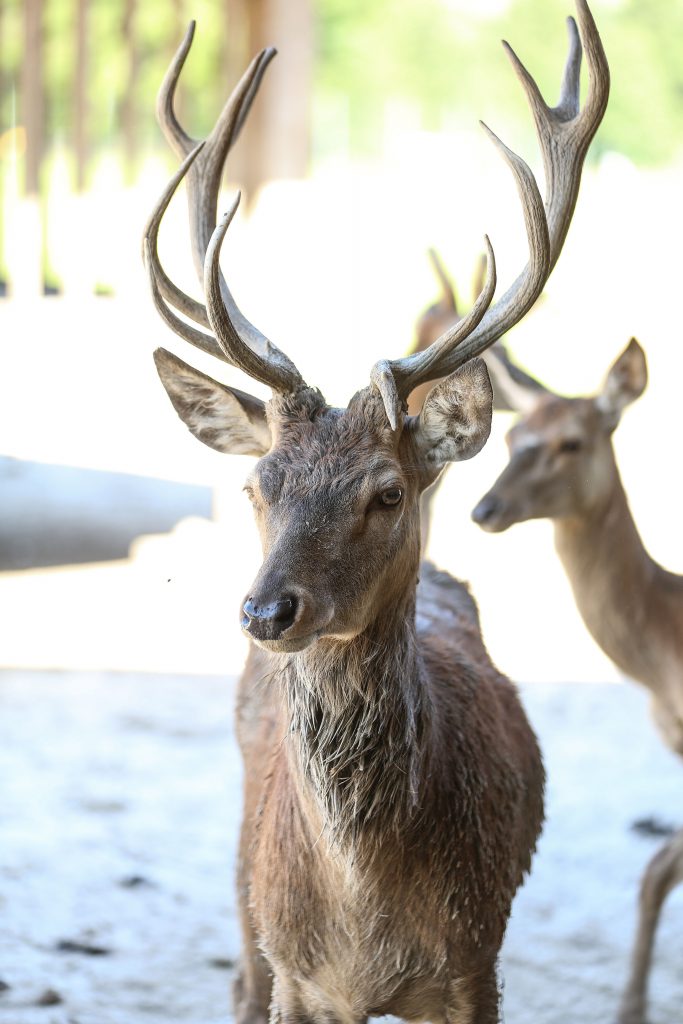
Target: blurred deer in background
(433,322)
(393,786)
(562,467)
(430,325)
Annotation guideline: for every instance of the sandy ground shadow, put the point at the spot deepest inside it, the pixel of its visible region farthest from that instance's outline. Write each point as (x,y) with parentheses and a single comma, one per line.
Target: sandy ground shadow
(118,827)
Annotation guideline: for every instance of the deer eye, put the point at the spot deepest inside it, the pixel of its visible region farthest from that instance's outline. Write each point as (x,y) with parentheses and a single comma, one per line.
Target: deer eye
(572,444)
(391,497)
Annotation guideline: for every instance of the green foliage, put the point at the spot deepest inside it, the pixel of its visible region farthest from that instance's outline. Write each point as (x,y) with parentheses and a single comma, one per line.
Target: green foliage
(449,64)
(441,57)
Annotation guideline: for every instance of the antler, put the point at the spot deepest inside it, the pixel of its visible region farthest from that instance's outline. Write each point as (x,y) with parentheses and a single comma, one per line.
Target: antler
(564,134)
(235,339)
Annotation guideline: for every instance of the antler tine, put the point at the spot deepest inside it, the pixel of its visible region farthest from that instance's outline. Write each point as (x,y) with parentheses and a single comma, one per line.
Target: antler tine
(170,291)
(180,142)
(204,172)
(161,285)
(564,133)
(227,345)
(395,379)
(204,342)
(277,371)
(204,180)
(447,352)
(526,288)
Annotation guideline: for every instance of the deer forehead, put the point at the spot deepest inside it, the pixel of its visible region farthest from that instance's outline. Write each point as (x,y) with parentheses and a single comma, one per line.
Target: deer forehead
(338,453)
(553,420)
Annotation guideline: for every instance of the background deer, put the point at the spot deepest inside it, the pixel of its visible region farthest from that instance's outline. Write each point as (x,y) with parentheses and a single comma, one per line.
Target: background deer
(562,467)
(394,788)
(434,321)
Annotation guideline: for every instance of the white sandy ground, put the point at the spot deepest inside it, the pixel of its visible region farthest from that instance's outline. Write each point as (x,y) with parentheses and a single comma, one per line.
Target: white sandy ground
(108,776)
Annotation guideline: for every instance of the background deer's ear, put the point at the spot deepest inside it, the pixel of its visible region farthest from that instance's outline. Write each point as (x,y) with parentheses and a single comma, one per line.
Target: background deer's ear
(223,418)
(455,421)
(514,390)
(626,381)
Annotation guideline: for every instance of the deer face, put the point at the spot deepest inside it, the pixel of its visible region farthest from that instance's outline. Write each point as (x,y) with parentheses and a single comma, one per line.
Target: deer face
(335,493)
(561,456)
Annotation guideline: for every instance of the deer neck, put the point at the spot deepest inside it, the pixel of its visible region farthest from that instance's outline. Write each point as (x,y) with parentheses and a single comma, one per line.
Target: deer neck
(613,578)
(357,722)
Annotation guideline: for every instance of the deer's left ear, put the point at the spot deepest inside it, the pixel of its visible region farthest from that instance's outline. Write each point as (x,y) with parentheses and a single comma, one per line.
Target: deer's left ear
(626,381)
(455,421)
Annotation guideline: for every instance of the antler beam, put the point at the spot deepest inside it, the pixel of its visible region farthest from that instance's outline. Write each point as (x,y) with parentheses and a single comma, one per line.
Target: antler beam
(564,133)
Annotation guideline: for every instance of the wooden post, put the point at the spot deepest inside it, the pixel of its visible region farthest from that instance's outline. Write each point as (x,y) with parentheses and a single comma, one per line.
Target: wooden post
(25,242)
(33,95)
(276,139)
(129,110)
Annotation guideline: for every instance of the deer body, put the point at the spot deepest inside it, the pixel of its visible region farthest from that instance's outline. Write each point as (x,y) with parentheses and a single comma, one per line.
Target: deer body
(368,791)
(393,787)
(562,467)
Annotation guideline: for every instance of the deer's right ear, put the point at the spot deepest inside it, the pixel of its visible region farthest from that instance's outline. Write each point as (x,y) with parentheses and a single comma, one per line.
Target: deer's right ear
(223,418)
(626,381)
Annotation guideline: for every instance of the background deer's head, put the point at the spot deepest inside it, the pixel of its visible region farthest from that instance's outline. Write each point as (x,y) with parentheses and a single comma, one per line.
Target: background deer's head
(561,456)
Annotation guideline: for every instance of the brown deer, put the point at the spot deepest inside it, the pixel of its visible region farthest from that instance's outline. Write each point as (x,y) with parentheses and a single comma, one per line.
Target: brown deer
(394,788)
(562,467)
(438,318)
(433,322)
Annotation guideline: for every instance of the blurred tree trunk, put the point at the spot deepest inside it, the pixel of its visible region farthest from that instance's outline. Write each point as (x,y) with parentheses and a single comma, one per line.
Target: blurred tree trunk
(276,142)
(129,109)
(6,125)
(25,241)
(5,75)
(81,95)
(33,94)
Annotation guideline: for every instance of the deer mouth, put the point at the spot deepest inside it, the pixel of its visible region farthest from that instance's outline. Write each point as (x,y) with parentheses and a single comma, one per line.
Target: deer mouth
(283,645)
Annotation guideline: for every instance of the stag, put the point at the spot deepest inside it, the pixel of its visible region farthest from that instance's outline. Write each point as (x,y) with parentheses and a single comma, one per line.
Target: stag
(562,467)
(394,788)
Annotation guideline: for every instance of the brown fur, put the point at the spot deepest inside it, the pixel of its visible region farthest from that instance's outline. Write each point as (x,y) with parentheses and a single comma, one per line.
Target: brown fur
(562,466)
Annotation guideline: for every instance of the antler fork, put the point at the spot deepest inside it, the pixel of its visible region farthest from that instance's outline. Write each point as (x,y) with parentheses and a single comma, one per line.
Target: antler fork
(235,339)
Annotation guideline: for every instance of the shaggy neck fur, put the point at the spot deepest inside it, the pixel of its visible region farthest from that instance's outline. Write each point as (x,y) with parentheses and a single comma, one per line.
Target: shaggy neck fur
(358,723)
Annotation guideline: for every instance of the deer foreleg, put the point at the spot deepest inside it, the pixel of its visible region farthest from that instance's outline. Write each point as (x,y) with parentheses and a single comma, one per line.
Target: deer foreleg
(663,873)
(253,984)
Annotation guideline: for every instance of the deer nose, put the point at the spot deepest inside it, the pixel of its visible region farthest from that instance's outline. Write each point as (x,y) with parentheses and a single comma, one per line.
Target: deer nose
(485,511)
(268,621)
